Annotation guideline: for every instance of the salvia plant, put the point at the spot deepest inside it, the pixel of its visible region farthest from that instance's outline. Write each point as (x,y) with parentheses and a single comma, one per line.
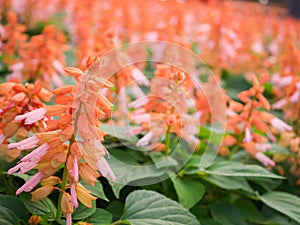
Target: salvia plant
(149,112)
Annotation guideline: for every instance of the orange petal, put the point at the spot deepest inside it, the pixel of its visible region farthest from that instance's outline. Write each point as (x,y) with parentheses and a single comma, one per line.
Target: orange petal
(66,205)
(11,128)
(55,110)
(41,193)
(63,90)
(63,99)
(84,195)
(77,73)
(50,181)
(45,95)
(18,97)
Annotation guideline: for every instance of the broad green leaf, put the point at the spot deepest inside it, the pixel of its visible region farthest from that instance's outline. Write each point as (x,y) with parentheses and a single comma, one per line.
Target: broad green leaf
(248,210)
(283,202)
(40,208)
(210,222)
(129,171)
(116,208)
(227,214)
(151,208)
(5,222)
(229,183)
(100,217)
(162,160)
(228,168)
(201,211)
(194,161)
(96,190)
(274,217)
(15,205)
(189,192)
(267,183)
(8,215)
(83,212)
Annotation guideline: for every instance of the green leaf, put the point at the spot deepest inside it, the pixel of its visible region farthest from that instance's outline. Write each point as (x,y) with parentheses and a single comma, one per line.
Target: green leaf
(129,171)
(161,160)
(228,168)
(8,215)
(96,190)
(210,222)
(248,210)
(283,202)
(100,217)
(229,183)
(40,208)
(201,211)
(276,218)
(83,212)
(267,183)
(24,176)
(5,222)
(15,205)
(189,192)
(116,208)
(227,214)
(151,208)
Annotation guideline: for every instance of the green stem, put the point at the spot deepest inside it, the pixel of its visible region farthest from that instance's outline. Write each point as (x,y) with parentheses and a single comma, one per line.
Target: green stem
(168,140)
(233,151)
(64,181)
(63,187)
(236,147)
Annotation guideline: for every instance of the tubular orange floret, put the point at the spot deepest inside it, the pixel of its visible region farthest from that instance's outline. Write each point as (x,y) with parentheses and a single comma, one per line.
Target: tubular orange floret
(18,97)
(63,90)
(55,142)
(264,102)
(91,60)
(7,87)
(46,136)
(77,73)
(84,195)
(63,99)
(88,174)
(19,88)
(41,193)
(55,110)
(102,101)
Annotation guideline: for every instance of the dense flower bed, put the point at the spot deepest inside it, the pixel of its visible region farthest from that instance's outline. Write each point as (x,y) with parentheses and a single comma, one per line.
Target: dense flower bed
(148,112)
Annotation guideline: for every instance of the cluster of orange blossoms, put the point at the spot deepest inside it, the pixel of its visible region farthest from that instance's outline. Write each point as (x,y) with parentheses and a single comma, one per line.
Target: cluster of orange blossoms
(251,114)
(39,58)
(65,133)
(16,100)
(164,110)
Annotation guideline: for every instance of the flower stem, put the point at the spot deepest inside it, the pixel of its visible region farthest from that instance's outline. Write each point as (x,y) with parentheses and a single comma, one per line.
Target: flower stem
(63,187)
(64,181)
